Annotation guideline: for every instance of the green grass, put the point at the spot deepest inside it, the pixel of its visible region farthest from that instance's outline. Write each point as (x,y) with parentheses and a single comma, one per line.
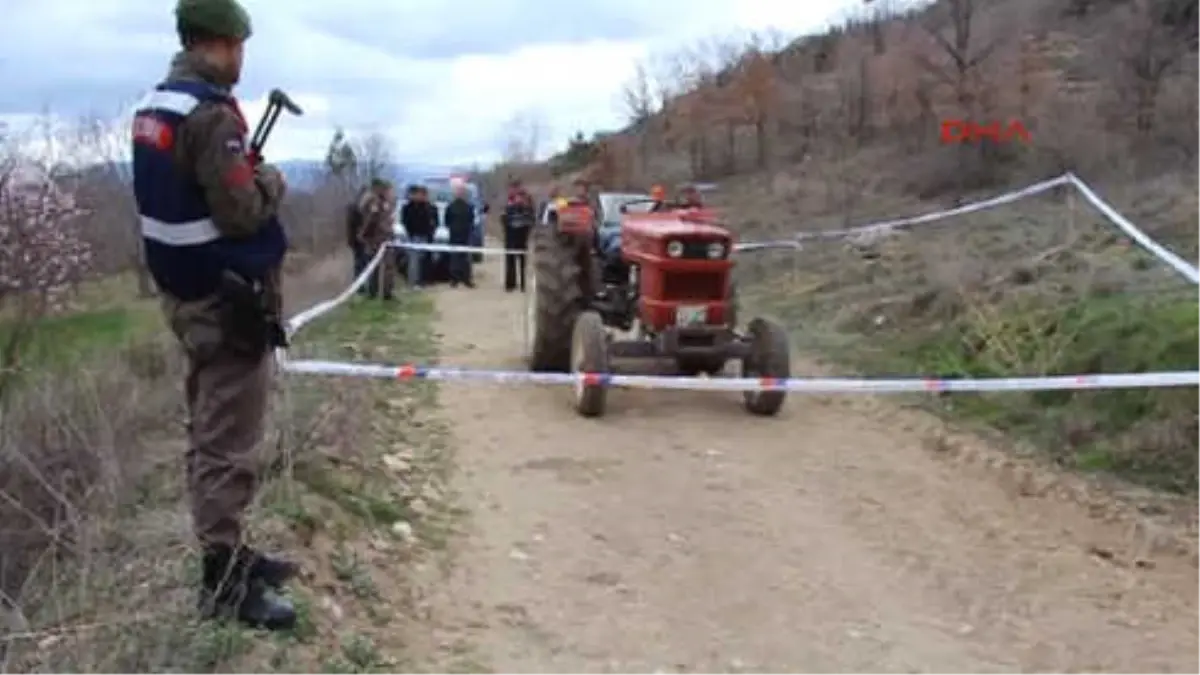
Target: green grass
(63,340)
(1146,435)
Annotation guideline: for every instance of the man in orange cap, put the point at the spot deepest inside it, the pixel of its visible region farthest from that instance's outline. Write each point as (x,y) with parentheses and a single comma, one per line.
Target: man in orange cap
(689,197)
(583,194)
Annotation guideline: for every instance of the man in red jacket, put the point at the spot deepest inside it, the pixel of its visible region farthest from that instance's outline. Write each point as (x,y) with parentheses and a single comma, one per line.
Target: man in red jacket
(517,219)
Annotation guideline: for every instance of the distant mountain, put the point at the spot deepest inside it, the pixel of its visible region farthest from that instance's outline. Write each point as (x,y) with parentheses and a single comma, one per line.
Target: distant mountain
(302,174)
(305,174)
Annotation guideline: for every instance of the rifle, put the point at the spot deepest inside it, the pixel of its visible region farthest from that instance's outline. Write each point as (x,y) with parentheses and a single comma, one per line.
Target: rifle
(277,102)
(265,301)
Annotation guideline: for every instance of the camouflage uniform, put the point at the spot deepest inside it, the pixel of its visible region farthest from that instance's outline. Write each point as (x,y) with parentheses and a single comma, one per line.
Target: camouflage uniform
(228,379)
(377,209)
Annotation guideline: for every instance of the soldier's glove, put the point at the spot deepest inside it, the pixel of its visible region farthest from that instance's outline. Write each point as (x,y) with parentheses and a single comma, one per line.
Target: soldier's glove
(271,181)
(277,335)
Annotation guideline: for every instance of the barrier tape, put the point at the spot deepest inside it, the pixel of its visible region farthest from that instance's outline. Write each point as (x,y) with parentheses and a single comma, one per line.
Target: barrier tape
(1157,250)
(455,248)
(798,385)
(816,385)
(294,324)
(884,227)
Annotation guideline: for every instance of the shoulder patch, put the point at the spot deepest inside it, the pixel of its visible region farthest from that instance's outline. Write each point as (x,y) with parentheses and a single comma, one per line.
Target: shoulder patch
(151,131)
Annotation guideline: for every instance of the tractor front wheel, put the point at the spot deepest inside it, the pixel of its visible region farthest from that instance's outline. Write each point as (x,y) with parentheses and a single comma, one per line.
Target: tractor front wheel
(589,354)
(770,357)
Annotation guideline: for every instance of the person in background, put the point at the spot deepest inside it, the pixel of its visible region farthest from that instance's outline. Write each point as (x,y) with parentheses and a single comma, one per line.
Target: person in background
(419,218)
(353,240)
(517,218)
(689,197)
(658,195)
(460,220)
(546,207)
(377,209)
(583,192)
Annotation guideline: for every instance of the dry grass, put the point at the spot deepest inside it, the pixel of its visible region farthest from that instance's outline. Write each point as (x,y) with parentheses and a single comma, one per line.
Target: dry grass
(1045,286)
(96,559)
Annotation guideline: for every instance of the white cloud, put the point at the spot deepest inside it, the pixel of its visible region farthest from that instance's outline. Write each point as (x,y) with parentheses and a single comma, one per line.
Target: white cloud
(446,104)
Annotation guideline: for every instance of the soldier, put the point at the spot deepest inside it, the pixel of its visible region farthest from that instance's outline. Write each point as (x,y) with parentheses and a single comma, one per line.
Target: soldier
(377,211)
(358,250)
(214,246)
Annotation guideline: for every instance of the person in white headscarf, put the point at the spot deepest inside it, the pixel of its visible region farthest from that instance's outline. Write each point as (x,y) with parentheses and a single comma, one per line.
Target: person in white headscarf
(460,221)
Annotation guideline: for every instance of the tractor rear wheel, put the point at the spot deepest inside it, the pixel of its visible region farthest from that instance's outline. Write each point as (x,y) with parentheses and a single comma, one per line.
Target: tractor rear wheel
(557,299)
(770,357)
(589,354)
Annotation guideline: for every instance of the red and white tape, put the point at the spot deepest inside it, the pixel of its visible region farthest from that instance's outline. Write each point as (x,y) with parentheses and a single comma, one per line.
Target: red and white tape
(799,385)
(807,385)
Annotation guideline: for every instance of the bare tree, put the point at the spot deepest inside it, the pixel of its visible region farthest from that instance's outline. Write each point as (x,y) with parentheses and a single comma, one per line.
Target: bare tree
(965,57)
(374,156)
(340,158)
(1150,48)
(759,79)
(962,74)
(878,12)
(640,106)
(638,98)
(522,137)
(105,190)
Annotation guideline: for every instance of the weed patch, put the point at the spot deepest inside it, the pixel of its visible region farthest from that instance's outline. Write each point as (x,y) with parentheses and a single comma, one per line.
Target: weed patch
(96,555)
(1148,435)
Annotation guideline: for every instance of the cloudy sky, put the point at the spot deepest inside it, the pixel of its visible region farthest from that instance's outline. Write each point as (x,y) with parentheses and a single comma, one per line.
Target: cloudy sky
(442,80)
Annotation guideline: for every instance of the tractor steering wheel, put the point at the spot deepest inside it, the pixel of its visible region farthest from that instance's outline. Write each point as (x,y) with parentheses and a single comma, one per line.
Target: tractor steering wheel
(645,200)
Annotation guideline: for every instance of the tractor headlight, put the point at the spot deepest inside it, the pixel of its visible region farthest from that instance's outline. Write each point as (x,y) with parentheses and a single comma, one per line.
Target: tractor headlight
(675,249)
(716,250)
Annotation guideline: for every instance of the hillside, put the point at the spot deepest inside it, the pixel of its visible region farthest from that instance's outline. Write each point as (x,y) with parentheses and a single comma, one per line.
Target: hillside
(843,128)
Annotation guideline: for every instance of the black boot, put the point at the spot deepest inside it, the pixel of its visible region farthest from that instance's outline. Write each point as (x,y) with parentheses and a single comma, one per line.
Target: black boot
(271,570)
(230,590)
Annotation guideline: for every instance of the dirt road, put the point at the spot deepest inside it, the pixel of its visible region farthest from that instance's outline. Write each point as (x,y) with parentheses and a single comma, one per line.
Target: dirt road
(678,533)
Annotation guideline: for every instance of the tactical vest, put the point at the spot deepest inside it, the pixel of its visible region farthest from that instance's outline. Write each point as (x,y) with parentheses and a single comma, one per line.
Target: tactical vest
(185,252)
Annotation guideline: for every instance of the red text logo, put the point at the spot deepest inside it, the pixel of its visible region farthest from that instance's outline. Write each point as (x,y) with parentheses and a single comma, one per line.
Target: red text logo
(966,131)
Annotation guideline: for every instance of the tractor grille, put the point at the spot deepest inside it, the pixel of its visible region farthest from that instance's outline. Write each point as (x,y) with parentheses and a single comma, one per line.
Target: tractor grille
(696,248)
(694,286)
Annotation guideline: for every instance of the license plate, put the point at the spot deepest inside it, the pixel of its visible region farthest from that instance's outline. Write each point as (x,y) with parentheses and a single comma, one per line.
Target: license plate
(691,315)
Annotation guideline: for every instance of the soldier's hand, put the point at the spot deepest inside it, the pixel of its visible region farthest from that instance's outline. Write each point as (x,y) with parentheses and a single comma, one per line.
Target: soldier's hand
(271,180)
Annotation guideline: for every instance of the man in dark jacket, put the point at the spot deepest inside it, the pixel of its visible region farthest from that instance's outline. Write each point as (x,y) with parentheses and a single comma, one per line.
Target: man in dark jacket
(419,218)
(460,220)
(517,218)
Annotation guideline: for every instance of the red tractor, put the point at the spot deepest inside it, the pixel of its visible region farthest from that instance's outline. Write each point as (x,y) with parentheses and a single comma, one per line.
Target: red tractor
(660,275)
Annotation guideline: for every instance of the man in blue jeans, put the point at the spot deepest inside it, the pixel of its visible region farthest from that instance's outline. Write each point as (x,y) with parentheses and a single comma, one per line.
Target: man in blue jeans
(419,218)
